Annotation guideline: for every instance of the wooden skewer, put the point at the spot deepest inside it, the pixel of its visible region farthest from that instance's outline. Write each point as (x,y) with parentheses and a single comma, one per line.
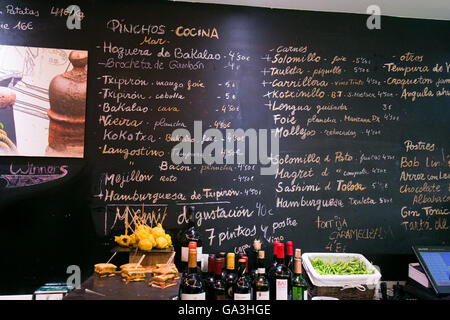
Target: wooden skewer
(170,259)
(135,253)
(112,257)
(142,258)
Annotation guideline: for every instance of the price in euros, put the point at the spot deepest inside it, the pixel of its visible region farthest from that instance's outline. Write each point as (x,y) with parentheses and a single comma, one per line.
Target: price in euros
(229,108)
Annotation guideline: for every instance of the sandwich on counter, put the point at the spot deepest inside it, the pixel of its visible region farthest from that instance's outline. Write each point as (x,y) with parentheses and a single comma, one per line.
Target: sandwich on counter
(132,272)
(105,269)
(164,276)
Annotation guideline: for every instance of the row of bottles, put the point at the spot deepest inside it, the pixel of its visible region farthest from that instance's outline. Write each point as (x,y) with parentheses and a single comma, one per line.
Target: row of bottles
(282,281)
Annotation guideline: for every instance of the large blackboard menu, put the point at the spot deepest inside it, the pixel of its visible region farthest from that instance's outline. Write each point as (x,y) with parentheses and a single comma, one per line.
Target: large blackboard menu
(359,154)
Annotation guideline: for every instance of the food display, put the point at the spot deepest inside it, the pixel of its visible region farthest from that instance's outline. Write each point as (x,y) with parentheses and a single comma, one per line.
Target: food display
(145,237)
(105,269)
(164,276)
(352,267)
(133,274)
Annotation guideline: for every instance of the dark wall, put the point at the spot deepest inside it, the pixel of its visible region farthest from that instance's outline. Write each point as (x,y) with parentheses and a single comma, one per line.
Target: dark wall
(50,226)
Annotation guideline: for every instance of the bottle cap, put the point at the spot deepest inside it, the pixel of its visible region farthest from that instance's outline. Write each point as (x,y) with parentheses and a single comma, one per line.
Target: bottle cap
(219,265)
(256,245)
(298,253)
(275,248)
(280,251)
(230,261)
(192,245)
(289,248)
(211,265)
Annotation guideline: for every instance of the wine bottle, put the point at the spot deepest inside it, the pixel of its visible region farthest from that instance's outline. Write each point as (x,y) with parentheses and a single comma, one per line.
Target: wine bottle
(190,234)
(274,259)
(298,282)
(192,286)
(230,276)
(260,283)
(289,261)
(280,278)
(224,269)
(219,292)
(210,277)
(253,259)
(242,289)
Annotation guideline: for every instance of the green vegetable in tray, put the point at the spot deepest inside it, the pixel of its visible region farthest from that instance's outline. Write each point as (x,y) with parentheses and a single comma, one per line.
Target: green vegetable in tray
(340,268)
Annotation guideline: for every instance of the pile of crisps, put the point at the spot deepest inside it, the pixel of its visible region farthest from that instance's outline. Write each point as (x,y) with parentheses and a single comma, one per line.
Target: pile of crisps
(146,238)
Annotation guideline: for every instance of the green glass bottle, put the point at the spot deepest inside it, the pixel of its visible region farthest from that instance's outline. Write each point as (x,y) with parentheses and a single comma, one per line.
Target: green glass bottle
(298,283)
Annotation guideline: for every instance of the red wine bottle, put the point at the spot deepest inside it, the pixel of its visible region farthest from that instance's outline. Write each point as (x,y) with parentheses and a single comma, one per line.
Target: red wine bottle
(223,255)
(289,261)
(192,286)
(210,277)
(261,283)
(230,276)
(190,234)
(242,289)
(280,278)
(274,259)
(253,259)
(219,292)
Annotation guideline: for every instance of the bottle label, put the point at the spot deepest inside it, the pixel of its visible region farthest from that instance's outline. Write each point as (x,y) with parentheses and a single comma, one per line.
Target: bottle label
(281,289)
(192,296)
(184,254)
(261,270)
(242,296)
(199,254)
(262,295)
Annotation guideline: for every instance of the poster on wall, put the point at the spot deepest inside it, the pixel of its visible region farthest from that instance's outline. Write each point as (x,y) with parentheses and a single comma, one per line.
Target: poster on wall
(42,101)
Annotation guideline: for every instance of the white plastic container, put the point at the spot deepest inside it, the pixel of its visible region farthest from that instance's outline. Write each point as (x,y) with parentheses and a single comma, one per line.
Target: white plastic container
(344,281)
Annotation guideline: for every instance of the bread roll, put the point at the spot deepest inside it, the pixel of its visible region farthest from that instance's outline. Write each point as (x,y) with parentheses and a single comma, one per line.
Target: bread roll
(7,98)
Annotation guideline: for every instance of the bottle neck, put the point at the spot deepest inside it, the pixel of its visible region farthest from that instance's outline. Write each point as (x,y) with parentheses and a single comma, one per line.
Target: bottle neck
(192,261)
(211,266)
(191,221)
(297,266)
(261,267)
(230,262)
(218,269)
(242,269)
(280,260)
(191,217)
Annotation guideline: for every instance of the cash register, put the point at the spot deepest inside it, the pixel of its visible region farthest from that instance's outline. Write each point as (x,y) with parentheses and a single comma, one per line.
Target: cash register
(434,264)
